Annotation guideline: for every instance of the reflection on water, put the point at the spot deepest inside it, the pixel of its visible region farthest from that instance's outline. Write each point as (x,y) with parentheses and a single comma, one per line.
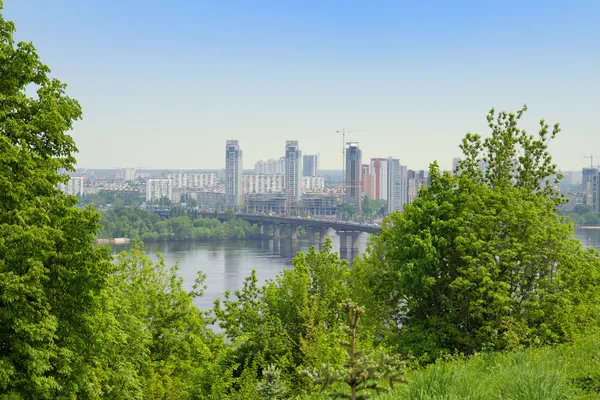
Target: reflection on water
(227,264)
(588,237)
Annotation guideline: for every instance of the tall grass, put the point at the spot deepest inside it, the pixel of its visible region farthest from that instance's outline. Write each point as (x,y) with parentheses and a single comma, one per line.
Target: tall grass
(549,373)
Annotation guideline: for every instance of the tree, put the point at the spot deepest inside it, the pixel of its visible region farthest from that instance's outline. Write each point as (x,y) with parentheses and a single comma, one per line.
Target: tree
(581,209)
(360,372)
(271,387)
(482,260)
(50,272)
(292,321)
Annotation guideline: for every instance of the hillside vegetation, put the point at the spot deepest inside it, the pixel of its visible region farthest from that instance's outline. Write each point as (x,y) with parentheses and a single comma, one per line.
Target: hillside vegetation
(479,264)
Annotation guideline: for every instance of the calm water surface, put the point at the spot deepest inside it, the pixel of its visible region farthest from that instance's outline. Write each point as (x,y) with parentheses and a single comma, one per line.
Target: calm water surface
(226,264)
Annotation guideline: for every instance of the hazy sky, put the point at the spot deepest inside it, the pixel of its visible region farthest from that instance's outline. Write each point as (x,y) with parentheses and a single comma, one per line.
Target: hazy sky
(163,83)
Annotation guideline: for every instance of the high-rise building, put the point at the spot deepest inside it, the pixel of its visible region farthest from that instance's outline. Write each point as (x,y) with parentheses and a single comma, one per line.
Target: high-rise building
(352,188)
(416,179)
(379,172)
(310,165)
(455,163)
(587,175)
(74,187)
(397,181)
(233,173)
(293,170)
(367,181)
(126,174)
(157,189)
(263,183)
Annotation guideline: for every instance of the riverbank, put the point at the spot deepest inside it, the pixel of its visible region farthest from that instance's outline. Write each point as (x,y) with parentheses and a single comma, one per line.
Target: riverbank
(113,241)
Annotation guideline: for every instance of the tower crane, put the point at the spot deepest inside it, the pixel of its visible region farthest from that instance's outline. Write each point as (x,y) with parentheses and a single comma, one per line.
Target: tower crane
(591,157)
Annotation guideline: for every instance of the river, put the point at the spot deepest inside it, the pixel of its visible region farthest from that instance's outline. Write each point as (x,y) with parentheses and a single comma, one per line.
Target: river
(227,264)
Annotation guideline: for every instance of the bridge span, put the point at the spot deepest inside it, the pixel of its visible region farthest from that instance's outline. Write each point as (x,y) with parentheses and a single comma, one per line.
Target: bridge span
(280,227)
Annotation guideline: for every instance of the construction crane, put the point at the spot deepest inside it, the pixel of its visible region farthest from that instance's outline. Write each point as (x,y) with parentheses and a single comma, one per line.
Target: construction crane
(591,157)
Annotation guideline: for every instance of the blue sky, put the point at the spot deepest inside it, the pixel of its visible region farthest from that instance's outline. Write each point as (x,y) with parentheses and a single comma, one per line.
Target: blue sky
(163,84)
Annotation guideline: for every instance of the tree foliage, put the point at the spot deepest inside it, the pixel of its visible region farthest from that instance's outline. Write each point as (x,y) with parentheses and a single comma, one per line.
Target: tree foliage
(359,372)
(292,321)
(481,260)
(50,273)
(137,223)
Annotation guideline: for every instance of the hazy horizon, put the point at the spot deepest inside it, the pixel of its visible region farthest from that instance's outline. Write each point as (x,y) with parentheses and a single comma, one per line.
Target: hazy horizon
(163,86)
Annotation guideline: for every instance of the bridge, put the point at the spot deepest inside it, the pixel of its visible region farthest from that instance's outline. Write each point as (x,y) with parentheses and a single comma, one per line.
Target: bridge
(287,228)
(279,227)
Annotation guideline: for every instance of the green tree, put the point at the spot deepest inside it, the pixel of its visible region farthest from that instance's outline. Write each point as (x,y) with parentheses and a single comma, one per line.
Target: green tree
(581,209)
(50,273)
(271,387)
(481,260)
(292,321)
(360,372)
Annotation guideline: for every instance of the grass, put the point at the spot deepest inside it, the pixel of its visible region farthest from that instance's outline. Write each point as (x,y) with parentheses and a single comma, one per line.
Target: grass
(570,371)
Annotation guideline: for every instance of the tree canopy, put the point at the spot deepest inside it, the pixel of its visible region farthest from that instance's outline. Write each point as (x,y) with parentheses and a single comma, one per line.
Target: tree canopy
(481,260)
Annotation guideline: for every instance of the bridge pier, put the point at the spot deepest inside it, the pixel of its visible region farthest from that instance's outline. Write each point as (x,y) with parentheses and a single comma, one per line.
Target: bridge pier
(355,242)
(261,228)
(323,235)
(276,232)
(310,232)
(294,232)
(343,241)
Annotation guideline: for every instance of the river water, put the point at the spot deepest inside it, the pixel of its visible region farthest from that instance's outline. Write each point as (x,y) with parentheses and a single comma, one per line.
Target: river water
(227,264)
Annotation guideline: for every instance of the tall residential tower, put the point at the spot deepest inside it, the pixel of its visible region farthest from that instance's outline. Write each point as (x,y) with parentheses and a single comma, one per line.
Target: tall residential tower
(293,170)
(310,165)
(353,171)
(233,174)
(397,184)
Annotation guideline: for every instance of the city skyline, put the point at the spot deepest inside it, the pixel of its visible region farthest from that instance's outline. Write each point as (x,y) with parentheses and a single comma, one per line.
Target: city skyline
(413,78)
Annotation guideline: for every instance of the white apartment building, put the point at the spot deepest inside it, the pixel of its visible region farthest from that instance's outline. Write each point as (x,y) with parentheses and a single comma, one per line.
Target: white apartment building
(313,184)
(397,185)
(156,189)
(192,180)
(74,187)
(263,183)
(270,167)
(127,174)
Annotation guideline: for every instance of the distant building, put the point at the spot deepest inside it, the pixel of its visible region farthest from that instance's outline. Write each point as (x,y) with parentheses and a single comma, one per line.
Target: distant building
(192,180)
(416,180)
(263,183)
(293,170)
(313,184)
(352,185)
(157,189)
(367,181)
(455,164)
(397,182)
(310,165)
(233,174)
(379,172)
(74,187)
(126,174)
